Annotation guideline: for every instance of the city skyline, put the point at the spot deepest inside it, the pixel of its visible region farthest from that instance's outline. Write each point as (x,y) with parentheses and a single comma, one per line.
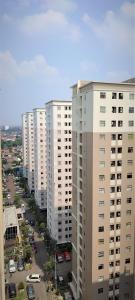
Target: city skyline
(47,45)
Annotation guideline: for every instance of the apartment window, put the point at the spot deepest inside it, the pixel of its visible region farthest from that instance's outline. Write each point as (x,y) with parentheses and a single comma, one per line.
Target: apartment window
(118,214)
(102,123)
(112,189)
(111,264)
(118,226)
(102,136)
(101,229)
(100,278)
(101,177)
(120,123)
(113,123)
(101,190)
(120,95)
(127,261)
(102,151)
(100,267)
(101,241)
(129,175)
(112,176)
(118,201)
(113,163)
(128,212)
(131,110)
(118,238)
(129,200)
(112,202)
(120,109)
(111,227)
(113,137)
(130,136)
(129,188)
(111,215)
(130,149)
(102,95)
(128,237)
(119,176)
(128,224)
(102,109)
(113,150)
(101,254)
(101,202)
(102,164)
(114,95)
(119,163)
(111,239)
(114,109)
(120,136)
(130,123)
(101,216)
(111,252)
(117,263)
(131,96)
(119,150)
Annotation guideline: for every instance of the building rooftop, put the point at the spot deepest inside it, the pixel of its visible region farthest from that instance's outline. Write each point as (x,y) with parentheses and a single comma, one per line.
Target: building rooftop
(10,217)
(59,102)
(83,83)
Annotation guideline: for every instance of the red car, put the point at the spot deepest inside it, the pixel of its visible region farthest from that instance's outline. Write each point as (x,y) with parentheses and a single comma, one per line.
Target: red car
(67,256)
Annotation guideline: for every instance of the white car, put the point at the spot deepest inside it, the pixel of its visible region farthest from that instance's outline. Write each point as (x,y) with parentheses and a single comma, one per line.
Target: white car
(12,266)
(33,278)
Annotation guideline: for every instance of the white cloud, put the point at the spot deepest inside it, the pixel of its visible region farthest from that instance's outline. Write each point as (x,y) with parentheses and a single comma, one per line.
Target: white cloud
(60,5)
(116,30)
(49,22)
(36,68)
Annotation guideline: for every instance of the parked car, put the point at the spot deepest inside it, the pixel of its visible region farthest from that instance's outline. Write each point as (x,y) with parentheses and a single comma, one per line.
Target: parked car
(33,278)
(67,256)
(30,292)
(20,264)
(12,266)
(60,257)
(12,290)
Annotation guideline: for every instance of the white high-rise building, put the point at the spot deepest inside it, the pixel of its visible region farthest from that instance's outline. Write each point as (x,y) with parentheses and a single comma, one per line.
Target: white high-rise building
(103,258)
(59,169)
(28,148)
(40,157)
(25,144)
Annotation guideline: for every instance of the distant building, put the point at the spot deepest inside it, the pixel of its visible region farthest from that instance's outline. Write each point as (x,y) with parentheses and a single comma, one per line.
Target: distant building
(59,169)
(103,258)
(28,148)
(40,176)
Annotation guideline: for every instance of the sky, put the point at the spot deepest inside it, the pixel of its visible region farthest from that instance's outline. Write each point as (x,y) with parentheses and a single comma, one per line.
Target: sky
(48,45)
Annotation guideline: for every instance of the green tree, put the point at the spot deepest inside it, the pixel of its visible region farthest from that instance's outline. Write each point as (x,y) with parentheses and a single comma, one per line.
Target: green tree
(17,201)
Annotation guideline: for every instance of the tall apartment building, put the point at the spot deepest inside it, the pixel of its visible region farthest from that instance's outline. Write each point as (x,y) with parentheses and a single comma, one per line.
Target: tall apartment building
(25,144)
(28,148)
(59,169)
(103,190)
(40,176)
(2,279)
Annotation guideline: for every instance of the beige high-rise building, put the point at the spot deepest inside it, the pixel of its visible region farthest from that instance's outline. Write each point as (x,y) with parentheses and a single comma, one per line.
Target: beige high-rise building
(28,148)
(103,191)
(2,277)
(40,175)
(59,169)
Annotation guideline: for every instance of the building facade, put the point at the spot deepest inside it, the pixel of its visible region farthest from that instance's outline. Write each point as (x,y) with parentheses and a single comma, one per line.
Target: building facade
(25,144)
(103,193)
(2,277)
(28,148)
(59,170)
(40,176)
